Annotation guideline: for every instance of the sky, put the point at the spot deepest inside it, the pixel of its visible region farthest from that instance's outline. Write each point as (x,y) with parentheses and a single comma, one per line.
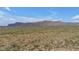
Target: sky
(9,15)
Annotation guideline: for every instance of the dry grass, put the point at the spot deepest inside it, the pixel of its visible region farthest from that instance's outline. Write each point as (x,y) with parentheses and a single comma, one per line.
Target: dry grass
(44,39)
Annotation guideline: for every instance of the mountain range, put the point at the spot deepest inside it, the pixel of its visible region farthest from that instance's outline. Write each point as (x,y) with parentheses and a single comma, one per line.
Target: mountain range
(40,23)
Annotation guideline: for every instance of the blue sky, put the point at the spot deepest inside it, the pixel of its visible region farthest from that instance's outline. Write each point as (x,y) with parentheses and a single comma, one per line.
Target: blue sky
(32,14)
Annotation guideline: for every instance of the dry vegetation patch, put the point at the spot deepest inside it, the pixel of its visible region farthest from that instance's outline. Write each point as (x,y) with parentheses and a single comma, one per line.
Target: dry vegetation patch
(48,39)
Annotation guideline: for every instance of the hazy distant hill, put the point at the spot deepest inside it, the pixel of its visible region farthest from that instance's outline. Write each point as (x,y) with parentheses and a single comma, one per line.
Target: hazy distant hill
(40,24)
(37,24)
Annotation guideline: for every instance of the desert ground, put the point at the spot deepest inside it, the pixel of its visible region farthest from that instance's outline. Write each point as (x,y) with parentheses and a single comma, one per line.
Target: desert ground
(61,38)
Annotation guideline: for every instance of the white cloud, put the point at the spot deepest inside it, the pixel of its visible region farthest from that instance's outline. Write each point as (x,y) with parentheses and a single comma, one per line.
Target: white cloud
(75,17)
(8,8)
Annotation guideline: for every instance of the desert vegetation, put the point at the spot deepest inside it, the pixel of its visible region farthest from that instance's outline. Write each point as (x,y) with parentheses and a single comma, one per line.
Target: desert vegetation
(58,38)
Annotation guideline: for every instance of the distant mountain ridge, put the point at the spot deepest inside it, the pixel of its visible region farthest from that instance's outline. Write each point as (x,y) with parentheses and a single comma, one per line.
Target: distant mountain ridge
(40,23)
